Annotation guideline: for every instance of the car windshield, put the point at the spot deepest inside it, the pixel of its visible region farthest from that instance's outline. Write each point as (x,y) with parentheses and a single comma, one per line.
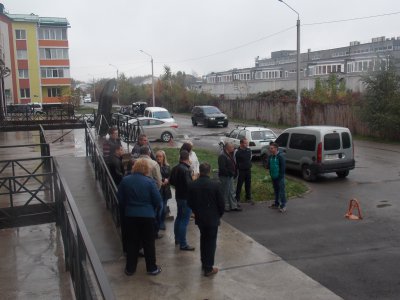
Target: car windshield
(162,115)
(211,110)
(262,135)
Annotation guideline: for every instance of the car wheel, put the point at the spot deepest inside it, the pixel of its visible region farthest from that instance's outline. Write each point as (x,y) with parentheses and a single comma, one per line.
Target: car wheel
(343,174)
(264,160)
(194,123)
(166,137)
(226,124)
(307,173)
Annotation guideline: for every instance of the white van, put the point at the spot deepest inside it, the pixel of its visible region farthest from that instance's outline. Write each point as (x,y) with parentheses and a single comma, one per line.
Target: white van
(159,113)
(318,149)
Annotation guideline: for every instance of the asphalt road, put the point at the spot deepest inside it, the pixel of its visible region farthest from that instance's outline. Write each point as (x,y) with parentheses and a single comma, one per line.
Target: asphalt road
(354,259)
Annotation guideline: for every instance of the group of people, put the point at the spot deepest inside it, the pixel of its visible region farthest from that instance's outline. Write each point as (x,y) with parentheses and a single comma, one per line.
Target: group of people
(234,166)
(144,189)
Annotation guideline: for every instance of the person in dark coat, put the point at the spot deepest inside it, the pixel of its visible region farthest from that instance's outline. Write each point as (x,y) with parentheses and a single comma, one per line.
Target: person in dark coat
(206,201)
(180,178)
(110,144)
(116,167)
(139,199)
(227,172)
(243,162)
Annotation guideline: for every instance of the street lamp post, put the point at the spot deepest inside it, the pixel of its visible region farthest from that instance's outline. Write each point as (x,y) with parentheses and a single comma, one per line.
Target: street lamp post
(298,102)
(152,76)
(117,82)
(94,88)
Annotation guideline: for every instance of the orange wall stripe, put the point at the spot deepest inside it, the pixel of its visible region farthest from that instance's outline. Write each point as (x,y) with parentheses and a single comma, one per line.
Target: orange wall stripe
(52,43)
(21,45)
(54,62)
(55,81)
(24,83)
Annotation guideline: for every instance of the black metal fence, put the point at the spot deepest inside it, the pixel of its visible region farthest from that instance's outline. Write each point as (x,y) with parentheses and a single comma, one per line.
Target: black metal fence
(26,191)
(81,259)
(129,128)
(103,176)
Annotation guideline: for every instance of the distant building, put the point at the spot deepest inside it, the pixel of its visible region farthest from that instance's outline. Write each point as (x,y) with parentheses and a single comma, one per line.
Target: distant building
(35,49)
(279,71)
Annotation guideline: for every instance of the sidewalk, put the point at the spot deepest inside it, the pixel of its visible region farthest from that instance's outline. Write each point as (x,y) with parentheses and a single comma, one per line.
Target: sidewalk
(247,270)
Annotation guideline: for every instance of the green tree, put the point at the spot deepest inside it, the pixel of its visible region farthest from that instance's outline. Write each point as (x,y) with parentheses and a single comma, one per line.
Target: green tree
(381,107)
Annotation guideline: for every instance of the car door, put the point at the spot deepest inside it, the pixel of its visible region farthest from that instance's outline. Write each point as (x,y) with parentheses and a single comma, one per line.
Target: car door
(154,129)
(232,136)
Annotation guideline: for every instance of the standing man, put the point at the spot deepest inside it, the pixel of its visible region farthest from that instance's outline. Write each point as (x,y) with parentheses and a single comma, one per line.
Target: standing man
(116,167)
(110,144)
(276,165)
(206,201)
(227,173)
(180,178)
(142,141)
(243,163)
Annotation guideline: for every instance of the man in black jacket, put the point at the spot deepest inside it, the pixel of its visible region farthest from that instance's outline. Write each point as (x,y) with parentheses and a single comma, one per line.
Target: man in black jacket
(206,201)
(243,162)
(227,173)
(180,178)
(116,167)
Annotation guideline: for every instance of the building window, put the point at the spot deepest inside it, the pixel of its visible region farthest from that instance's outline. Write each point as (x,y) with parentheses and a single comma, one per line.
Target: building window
(53,92)
(23,73)
(22,54)
(20,34)
(53,34)
(25,93)
(53,53)
(54,72)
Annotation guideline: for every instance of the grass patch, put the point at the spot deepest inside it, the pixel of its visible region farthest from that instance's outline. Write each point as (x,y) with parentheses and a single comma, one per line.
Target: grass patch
(261,185)
(84,110)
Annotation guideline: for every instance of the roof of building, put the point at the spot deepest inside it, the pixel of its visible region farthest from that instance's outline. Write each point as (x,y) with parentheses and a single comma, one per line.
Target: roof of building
(43,21)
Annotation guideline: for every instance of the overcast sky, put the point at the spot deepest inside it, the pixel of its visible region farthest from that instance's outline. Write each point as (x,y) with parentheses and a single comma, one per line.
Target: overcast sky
(199,37)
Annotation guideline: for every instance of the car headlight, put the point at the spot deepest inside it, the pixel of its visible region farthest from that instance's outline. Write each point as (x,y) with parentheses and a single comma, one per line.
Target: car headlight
(212,119)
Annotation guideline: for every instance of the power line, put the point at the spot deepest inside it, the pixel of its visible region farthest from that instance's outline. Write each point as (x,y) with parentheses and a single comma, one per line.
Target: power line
(352,19)
(232,49)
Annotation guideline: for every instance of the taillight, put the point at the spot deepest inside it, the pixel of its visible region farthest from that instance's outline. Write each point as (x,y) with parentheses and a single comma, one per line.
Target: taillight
(319,153)
(174,125)
(252,144)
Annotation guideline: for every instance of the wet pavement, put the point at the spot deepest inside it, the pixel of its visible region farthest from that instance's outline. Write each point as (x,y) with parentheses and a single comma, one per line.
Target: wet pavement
(248,270)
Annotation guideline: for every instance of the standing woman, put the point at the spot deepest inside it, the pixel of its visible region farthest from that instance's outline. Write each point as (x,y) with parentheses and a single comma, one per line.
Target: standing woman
(165,189)
(139,198)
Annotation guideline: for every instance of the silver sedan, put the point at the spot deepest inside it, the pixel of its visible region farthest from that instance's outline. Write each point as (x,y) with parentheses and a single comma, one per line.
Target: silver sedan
(156,129)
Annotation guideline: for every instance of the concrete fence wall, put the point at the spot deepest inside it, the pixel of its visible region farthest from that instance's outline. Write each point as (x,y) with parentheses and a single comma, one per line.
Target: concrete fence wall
(284,113)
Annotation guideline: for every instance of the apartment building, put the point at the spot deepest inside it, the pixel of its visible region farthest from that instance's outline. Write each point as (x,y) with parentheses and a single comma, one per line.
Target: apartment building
(35,50)
(279,71)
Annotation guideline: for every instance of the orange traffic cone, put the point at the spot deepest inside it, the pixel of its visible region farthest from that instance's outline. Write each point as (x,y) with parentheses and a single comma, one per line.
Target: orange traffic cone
(352,205)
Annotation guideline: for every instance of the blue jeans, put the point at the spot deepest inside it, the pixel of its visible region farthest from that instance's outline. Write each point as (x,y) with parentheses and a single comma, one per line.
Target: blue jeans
(280,193)
(182,221)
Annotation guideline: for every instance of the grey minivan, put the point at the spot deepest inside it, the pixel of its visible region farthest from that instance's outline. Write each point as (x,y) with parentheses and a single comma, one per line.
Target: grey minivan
(315,150)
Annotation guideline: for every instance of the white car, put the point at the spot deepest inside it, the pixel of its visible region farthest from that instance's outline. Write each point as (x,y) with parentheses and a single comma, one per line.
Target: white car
(258,137)
(156,129)
(159,113)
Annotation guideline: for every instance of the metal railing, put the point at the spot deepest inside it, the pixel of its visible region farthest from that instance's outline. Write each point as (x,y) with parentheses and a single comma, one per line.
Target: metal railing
(26,191)
(103,175)
(81,259)
(128,131)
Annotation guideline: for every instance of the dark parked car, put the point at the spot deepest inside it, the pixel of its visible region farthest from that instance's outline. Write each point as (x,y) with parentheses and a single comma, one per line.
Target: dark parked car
(208,116)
